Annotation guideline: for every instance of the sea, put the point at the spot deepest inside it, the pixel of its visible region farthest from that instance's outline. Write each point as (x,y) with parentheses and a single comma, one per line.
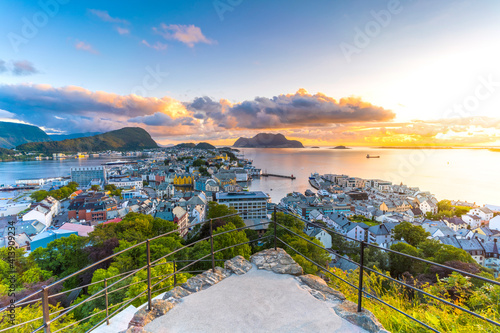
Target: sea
(471,175)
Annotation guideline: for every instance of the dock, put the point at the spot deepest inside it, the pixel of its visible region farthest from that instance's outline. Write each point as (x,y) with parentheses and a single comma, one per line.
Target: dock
(20,188)
(275,175)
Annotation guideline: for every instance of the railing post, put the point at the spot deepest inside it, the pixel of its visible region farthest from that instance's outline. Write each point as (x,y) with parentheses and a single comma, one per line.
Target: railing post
(106,299)
(45,309)
(361,262)
(148,255)
(175,274)
(275,247)
(212,246)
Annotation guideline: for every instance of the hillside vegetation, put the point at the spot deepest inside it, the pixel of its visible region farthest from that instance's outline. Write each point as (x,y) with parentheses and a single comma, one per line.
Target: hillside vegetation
(13,134)
(128,138)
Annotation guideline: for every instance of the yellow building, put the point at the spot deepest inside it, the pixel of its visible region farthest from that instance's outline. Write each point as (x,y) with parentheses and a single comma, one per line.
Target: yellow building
(183,180)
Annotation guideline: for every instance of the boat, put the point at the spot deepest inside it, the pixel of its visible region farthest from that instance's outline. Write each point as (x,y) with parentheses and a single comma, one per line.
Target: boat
(368,156)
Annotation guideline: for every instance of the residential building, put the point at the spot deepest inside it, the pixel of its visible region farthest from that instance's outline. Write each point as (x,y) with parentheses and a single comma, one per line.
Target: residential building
(85,175)
(255,203)
(135,183)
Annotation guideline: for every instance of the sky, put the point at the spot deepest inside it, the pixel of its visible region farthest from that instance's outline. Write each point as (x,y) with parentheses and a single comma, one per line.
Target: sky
(361,73)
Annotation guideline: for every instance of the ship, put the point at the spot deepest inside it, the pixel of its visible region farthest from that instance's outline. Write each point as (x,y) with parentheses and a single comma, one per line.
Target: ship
(368,156)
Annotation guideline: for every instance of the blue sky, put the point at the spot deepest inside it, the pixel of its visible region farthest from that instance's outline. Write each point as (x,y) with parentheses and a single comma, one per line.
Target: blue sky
(420,61)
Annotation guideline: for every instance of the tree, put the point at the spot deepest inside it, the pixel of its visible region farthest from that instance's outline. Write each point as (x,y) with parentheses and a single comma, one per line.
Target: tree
(451,253)
(215,211)
(203,171)
(39,195)
(229,239)
(401,264)
(95,188)
(199,162)
(110,187)
(444,205)
(145,183)
(413,235)
(62,256)
(430,247)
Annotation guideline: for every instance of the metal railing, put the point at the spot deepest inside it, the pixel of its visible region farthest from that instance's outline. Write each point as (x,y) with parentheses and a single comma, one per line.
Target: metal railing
(362,268)
(48,318)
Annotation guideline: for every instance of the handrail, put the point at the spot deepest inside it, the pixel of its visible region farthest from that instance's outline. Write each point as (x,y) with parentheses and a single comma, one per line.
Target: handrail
(125,275)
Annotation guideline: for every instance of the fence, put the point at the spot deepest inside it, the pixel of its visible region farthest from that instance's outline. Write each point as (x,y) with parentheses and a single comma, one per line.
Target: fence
(49,318)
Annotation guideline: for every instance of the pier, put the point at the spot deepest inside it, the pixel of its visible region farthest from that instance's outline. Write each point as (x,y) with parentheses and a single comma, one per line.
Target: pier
(275,175)
(5,189)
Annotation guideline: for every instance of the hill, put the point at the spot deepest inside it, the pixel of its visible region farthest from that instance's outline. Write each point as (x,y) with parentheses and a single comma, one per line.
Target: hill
(201,145)
(266,140)
(14,134)
(128,138)
(61,137)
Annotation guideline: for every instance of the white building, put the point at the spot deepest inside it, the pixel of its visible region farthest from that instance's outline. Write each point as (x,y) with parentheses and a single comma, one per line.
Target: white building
(473,220)
(484,213)
(44,211)
(429,206)
(126,182)
(495,223)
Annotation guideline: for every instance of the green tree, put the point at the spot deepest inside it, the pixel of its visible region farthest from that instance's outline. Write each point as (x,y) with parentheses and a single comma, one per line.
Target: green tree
(110,187)
(39,195)
(229,239)
(444,205)
(430,247)
(401,264)
(199,162)
(62,256)
(95,188)
(451,253)
(413,235)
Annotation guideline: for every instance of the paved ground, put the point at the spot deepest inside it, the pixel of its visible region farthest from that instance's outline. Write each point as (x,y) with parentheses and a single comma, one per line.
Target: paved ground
(258,301)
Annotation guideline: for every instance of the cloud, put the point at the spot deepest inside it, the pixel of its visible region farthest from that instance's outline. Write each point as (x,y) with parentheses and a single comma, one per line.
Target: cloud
(294,110)
(80,45)
(122,31)
(23,68)
(161,119)
(187,34)
(158,46)
(3,68)
(104,16)
(83,110)
(314,119)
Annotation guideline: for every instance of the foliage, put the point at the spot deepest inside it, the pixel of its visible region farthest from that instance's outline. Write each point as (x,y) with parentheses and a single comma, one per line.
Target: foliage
(203,171)
(413,235)
(215,211)
(229,239)
(128,138)
(39,195)
(95,188)
(455,289)
(30,312)
(62,256)
(401,264)
(199,162)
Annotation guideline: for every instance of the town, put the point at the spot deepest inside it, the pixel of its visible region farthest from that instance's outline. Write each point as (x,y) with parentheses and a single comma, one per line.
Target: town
(177,184)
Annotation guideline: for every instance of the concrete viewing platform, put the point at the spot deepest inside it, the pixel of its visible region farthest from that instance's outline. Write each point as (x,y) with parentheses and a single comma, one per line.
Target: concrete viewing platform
(270,294)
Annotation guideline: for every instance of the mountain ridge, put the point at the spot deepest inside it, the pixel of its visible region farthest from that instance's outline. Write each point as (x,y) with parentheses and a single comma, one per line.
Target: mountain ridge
(267,140)
(127,138)
(15,134)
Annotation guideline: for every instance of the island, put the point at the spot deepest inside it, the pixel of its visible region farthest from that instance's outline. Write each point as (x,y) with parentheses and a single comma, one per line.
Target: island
(340,147)
(267,140)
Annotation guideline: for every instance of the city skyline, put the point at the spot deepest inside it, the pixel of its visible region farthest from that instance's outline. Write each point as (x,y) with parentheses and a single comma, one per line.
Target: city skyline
(392,73)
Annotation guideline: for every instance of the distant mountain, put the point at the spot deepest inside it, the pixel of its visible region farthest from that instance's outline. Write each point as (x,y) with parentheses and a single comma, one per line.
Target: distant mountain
(201,145)
(340,147)
(128,138)
(266,140)
(60,137)
(14,134)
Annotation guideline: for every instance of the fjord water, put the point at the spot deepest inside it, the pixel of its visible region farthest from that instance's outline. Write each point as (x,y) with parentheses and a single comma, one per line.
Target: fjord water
(456,174)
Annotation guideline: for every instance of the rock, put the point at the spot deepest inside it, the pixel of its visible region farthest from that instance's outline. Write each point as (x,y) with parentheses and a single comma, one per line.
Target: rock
(238,265)
(176,293)
(205,280)
(141,318)
(365,319)
(135,329)
(277,261)
(317,283)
